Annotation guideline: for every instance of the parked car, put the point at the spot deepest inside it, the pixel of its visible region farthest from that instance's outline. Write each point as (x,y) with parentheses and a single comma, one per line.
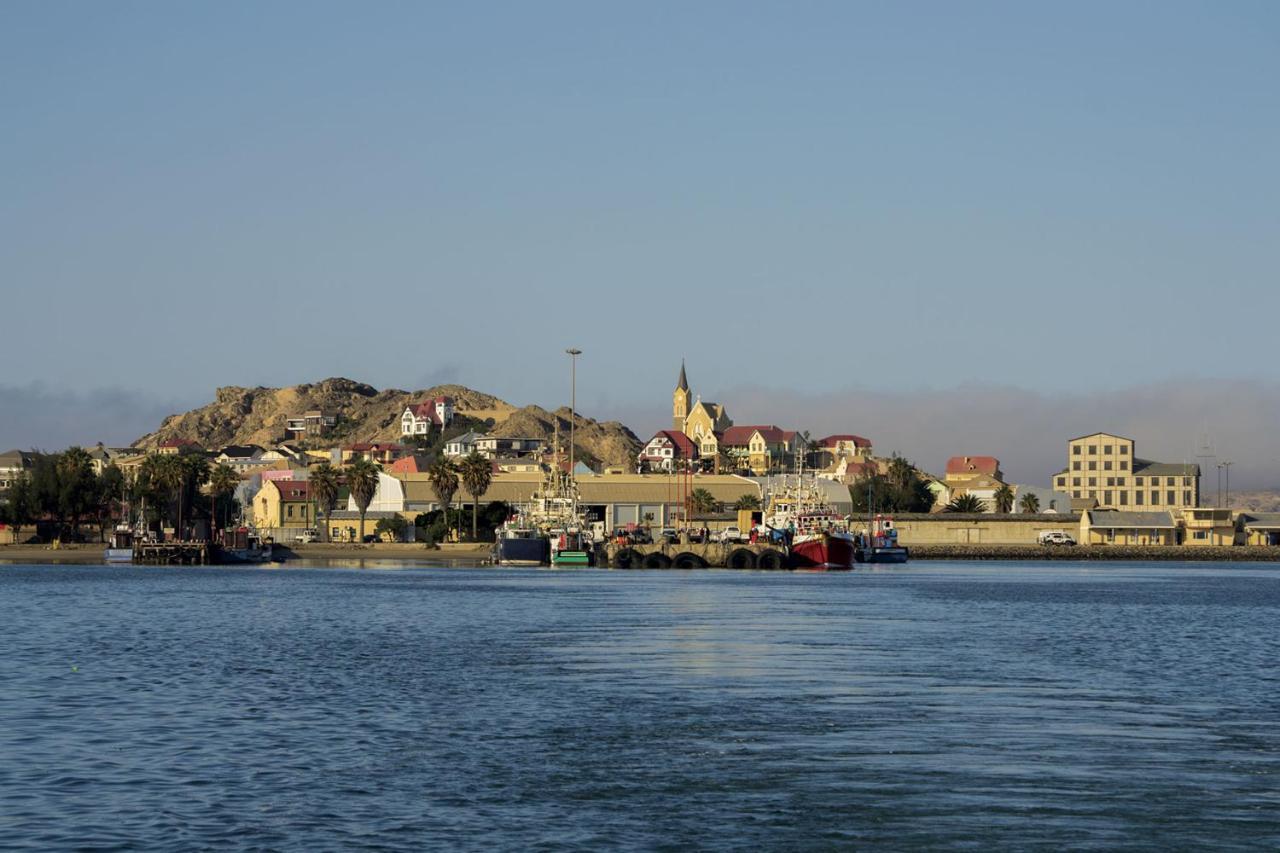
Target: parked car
(729,534)
(307,536)
(1055,537)
(669,535)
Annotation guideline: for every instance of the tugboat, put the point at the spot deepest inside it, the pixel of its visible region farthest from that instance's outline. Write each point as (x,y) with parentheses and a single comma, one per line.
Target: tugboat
(818,536)
(879,543)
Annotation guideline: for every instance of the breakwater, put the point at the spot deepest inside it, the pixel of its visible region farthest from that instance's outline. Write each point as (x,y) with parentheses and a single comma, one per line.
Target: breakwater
(1162,553)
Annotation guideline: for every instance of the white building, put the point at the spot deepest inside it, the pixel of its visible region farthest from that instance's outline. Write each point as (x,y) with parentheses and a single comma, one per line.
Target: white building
(419,419)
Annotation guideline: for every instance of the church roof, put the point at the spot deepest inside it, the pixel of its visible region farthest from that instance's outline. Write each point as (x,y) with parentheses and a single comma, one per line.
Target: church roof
(683,385)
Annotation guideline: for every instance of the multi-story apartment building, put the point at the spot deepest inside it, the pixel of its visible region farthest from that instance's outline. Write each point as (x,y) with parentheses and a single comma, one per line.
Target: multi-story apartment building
(1106,468)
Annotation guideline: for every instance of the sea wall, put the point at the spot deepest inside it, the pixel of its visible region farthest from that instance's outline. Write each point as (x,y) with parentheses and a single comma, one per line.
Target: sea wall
(1094,552)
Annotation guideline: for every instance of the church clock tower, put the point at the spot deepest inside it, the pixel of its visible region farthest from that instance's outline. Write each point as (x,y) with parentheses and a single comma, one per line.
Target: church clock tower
(680,402)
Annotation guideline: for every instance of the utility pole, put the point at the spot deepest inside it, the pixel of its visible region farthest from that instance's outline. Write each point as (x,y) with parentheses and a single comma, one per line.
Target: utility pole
(573,397)
(1226,467)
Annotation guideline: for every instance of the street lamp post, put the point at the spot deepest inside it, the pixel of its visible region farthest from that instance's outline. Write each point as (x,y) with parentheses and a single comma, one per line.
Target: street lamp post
(573,397)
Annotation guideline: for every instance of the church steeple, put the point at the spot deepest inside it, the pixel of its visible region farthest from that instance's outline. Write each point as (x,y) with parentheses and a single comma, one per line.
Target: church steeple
(680,401)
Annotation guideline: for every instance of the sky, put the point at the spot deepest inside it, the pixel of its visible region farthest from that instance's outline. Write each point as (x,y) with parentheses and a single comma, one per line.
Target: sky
(1069,205)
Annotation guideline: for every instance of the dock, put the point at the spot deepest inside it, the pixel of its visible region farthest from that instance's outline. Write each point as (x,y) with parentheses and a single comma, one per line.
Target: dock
(714,555)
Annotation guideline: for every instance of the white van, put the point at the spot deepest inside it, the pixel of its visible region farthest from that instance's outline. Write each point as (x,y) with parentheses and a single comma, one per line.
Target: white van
(1055,537)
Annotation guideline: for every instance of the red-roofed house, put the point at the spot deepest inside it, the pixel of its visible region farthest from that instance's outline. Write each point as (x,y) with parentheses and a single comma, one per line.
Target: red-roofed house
(384,453)
(961,470)
(760,449)
(662,451)
(419,419)
(415,464)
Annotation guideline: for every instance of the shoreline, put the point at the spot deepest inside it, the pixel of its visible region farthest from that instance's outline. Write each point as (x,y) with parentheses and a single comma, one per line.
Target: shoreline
(409,552)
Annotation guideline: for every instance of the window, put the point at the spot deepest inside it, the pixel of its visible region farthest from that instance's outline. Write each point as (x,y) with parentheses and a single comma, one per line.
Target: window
(1075,466)
(1137,481)
(1106,466)
(1106,497)
(1186,481)
(1170,499)
(1201,534)
(1093,450)
(1186,498)
(1106,451)
(1075,481)
(1076,493)
(1155,499)
(1062,481)
(1124,450)
(1124,498)
(1119,481)
(1093,466)
(1075,450)
(291,510)
(1124,465)
(1111,481)
(1093,481)
(1137,498)
(1170,481)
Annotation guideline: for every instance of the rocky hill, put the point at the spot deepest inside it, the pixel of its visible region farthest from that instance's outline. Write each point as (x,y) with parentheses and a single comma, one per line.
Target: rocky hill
(257,416)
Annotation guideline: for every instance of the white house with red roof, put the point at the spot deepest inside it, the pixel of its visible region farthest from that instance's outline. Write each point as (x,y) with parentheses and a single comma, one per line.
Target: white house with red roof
(961,469)
(421,418)
(663,451)
(761,449)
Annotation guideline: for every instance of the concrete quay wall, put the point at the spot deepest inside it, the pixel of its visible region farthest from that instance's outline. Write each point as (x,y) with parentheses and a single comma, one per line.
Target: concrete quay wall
(713,555)
(1163,553)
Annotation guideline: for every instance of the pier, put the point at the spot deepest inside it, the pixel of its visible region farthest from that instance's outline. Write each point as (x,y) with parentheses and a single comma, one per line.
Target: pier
(714,555)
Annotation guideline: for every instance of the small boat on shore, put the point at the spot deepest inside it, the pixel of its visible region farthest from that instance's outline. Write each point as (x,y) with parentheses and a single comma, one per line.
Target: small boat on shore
(244,546)
(120,549)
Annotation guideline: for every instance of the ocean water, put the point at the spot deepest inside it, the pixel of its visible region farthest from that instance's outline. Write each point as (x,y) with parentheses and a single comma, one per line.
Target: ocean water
(983,706)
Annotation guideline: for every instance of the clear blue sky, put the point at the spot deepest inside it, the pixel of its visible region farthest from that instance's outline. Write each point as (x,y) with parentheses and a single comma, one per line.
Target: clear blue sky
(808,195)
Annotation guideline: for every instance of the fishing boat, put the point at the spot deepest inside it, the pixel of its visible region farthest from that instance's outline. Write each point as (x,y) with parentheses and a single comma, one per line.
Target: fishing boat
(818,536)
(120,549)
(549,529)
(244,545)
(879,543)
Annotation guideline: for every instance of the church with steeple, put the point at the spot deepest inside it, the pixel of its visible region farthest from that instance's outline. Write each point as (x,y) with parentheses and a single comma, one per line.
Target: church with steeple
(700,420)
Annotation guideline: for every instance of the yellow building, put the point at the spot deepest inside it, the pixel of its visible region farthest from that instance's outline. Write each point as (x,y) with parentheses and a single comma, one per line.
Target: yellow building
(1208,526)
(1260,528)
(1106,468)
(1112,527)
(283,503)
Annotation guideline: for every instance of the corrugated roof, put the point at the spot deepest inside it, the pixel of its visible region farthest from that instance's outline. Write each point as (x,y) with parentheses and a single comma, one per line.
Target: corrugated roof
(1147,468)
(1114,519)
(988,465)
(1261,520)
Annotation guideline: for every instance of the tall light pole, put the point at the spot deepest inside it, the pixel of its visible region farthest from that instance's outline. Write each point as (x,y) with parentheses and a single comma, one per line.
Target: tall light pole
(573,397)
(1226,466)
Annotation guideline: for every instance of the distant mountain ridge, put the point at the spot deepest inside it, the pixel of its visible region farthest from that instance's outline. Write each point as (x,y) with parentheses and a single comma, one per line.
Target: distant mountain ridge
(257,416)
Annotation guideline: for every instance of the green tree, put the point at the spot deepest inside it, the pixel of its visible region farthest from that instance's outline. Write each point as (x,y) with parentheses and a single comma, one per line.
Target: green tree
(110,492)
(966,503)
(1003,499)
(1030,503)
(701,501)
(77,486)
(22,504)
(362,480)
(747,501)
(477,475)
(443,475)
(326,482)
(902,489)
(223,481)
(195,472)
(395,525)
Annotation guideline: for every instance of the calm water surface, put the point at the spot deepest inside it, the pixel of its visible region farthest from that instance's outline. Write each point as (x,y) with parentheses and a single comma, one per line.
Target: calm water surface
(937,705)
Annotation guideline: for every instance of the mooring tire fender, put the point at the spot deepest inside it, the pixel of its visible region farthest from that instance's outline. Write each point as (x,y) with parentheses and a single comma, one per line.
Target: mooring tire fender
(685,560)
(657,560)
(741,558)
(771,559)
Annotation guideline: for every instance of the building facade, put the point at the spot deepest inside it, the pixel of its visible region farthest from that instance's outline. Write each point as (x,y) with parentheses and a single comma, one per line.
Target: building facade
(1105,468)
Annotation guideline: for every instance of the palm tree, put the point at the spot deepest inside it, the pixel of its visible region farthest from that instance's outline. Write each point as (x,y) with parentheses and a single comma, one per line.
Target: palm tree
(700,500)
(362,480)
(966,503)
(747,501)
(443,475)
(1003,499)
(223,481)
(477,475)
(325,482)
(167,477)
(195,472)
(1030,503)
